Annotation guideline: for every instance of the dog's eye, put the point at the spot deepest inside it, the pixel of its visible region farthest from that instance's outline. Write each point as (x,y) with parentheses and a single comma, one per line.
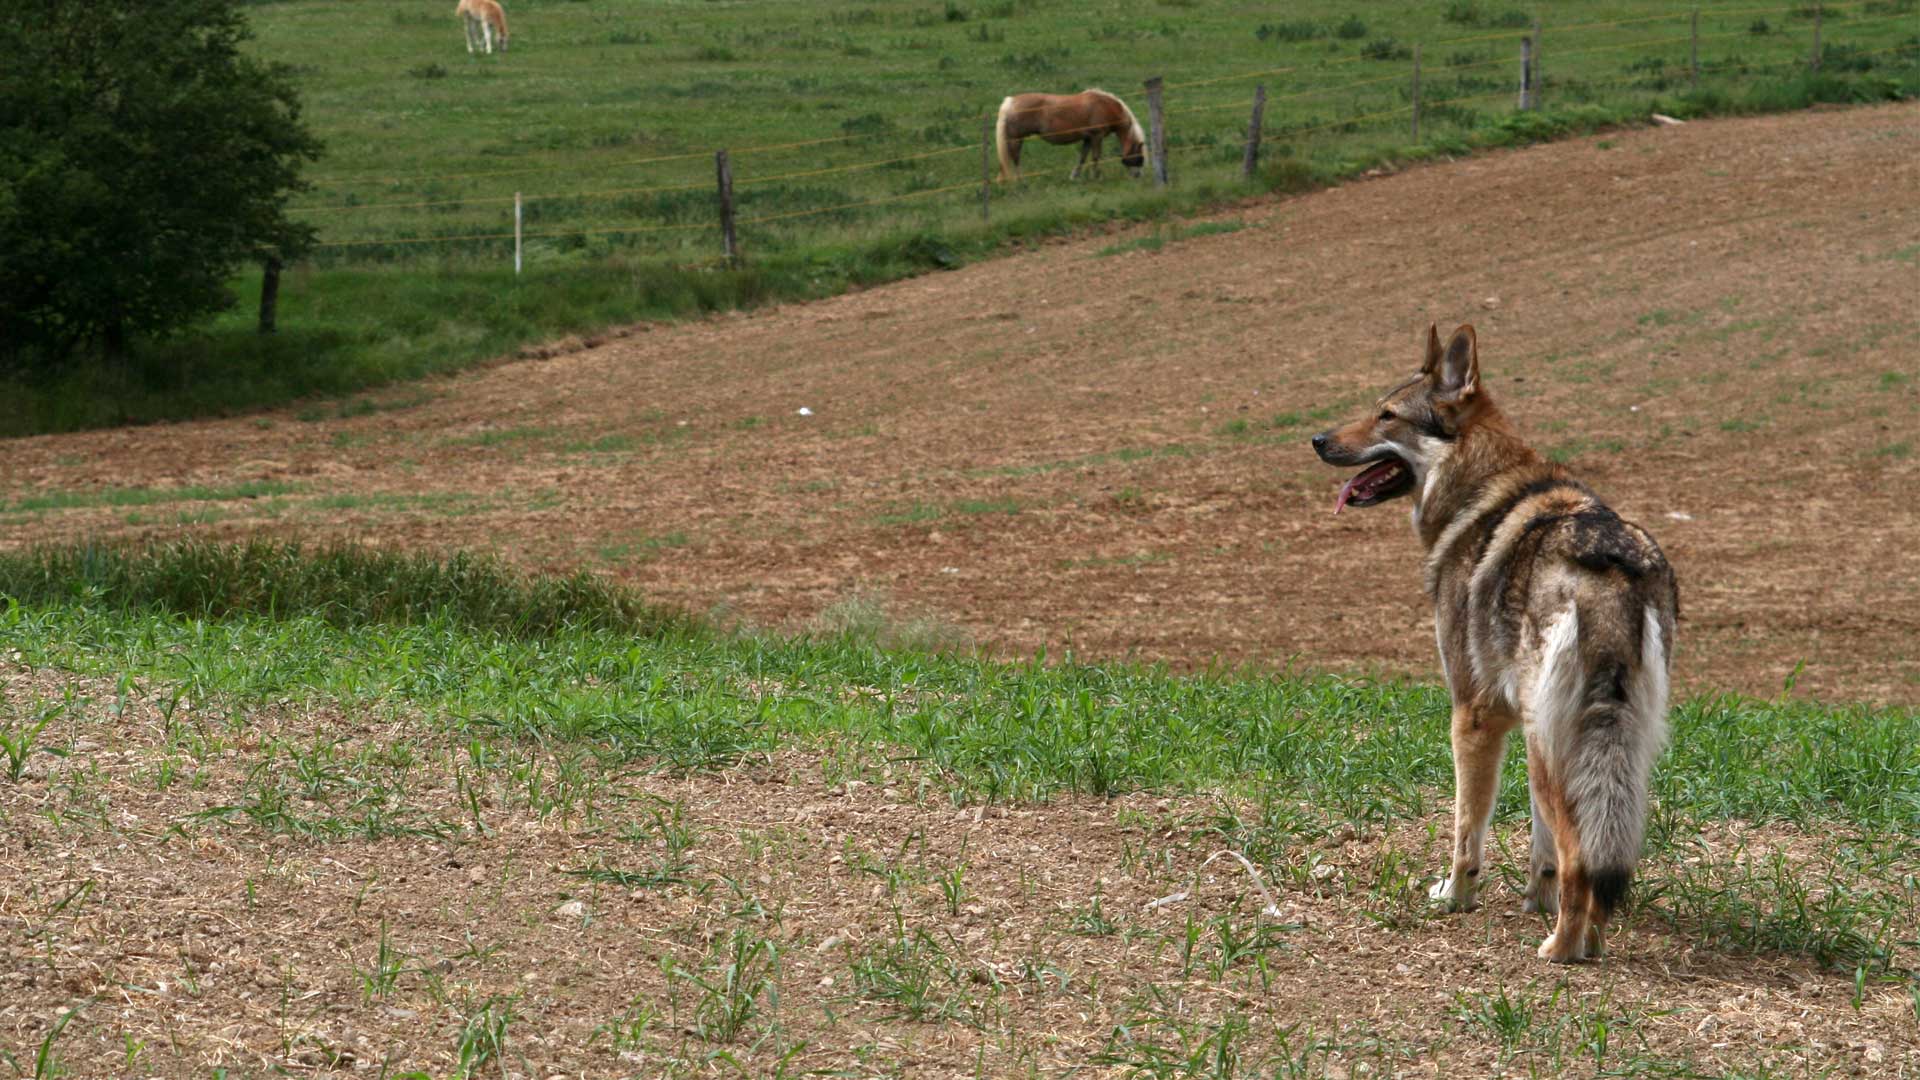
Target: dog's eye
(1387,414)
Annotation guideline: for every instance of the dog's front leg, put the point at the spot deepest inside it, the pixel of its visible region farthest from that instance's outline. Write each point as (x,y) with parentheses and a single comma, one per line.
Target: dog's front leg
(1479,742)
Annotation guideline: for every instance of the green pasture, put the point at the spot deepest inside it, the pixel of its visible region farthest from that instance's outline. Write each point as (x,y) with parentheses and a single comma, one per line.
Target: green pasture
(605,115)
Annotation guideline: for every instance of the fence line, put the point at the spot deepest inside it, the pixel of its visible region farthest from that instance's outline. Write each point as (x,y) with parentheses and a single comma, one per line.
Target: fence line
(859,165)
(854,167)
(375,178)
(509,235)
(378,179)
(1426,103)
(673,227)
(1185,149)
(1394,78)
(1519,33)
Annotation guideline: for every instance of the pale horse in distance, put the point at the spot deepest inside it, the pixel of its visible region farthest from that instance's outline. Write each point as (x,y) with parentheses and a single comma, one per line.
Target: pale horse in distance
(485,20)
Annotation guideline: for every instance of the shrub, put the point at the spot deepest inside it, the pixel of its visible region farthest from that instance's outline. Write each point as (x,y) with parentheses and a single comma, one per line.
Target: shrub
(1296,30)
(1385,49)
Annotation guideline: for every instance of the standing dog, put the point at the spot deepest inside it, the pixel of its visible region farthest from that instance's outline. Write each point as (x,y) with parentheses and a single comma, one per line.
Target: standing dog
(485,20)
(1552,614)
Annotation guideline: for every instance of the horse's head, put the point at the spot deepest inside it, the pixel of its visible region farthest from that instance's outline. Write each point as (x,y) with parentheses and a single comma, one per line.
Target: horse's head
(1133,149)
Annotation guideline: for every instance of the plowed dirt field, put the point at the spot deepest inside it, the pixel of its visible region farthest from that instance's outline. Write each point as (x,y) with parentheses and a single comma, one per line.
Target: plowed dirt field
(1101,445)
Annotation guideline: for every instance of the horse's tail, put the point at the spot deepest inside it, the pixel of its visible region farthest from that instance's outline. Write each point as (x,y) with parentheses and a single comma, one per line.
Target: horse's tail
(499,13)
(1008,170)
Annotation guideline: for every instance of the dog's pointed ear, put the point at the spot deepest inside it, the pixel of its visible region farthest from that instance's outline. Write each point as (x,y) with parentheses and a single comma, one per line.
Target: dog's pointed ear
(1454,373)
(1433,351)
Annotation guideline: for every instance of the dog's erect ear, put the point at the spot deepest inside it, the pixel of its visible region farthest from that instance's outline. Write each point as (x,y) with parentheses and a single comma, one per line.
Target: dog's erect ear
(1433,351)
(1454,373)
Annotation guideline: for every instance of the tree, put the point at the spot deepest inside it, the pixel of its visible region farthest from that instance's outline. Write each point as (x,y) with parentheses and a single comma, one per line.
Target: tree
(143,157)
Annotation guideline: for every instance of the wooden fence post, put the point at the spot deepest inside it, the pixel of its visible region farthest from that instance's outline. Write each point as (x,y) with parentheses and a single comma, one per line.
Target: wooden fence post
(727,239)
(1416,93)
(269,293)
(1526,73)
(516,234)
(1815,66)
(986,166)
(1252,159)
(1159,133)
(1693,52)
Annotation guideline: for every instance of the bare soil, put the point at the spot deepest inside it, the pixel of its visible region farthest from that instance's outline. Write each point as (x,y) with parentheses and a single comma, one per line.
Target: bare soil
(295,890)
(1717,324)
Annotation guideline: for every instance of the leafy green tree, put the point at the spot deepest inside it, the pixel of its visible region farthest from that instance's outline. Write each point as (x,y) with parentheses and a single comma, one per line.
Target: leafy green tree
(143,157)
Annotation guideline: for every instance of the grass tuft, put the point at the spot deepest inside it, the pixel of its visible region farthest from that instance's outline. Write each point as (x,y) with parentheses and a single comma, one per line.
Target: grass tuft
(343,585)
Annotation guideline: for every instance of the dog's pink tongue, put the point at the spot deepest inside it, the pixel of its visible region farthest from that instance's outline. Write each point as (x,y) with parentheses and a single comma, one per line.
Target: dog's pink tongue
(1346,492)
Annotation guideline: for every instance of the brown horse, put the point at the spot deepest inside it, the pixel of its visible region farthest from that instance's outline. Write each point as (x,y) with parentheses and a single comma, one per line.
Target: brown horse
(1087,118)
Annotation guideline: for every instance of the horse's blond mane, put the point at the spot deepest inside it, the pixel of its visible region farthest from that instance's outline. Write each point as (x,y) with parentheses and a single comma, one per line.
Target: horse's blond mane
(1115,98)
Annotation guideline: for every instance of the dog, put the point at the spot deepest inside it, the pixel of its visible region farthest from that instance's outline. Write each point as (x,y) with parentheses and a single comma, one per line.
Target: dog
(484,21)
(1552,614)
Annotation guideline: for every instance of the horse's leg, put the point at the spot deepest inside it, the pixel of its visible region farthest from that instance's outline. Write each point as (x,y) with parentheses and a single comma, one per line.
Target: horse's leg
(1075,174)
(1013,151)
(486,32)
(466,25)
(1099,142)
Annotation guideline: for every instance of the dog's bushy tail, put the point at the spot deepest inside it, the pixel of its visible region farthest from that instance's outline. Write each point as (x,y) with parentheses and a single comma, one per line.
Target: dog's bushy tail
(1601,707)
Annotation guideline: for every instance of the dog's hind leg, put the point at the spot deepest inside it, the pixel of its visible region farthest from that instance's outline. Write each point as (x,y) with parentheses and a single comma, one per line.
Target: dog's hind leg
(1543,867)
(1479,742)
(1577,933)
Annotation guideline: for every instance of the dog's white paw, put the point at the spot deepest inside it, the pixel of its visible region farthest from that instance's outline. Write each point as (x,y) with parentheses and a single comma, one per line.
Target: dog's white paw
(1556,951)
(1455,893)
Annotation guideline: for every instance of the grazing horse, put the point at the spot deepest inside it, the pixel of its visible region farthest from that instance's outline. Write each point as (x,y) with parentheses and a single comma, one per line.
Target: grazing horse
(1087,118)
(485,20)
